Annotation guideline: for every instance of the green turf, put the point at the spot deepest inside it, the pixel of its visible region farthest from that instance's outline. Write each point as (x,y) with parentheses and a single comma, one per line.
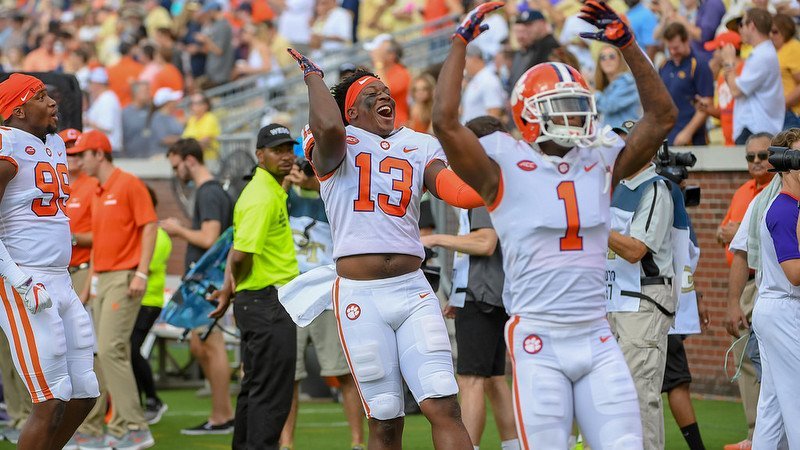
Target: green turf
(322,426)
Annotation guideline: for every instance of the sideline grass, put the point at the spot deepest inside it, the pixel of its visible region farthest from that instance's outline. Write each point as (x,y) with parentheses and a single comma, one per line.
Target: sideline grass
(322,426)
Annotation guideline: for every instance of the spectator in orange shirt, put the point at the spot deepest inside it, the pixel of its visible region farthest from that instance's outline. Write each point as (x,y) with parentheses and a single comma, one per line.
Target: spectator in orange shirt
(44,58)
(723,109)
(386,54)
(169,76)
(758,166)
(123,74)
(124,235)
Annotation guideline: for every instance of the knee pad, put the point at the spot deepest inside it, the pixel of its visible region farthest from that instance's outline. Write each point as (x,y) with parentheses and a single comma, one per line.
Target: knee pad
(367,363)
(431,335)
(438,384)
(83,331)
(385,407)
(622,434)
(613,389)
(85,385)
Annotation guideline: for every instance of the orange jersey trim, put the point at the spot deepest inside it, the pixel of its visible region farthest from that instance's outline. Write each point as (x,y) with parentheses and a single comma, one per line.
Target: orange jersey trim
(344,345)
(517,400)
(17,345)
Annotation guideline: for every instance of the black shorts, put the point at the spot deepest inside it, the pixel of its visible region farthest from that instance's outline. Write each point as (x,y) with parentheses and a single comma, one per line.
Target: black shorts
(479,336)
(676,371)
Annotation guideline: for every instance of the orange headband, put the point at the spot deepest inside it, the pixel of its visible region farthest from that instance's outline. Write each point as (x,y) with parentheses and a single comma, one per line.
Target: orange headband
(355,89)
(16,91)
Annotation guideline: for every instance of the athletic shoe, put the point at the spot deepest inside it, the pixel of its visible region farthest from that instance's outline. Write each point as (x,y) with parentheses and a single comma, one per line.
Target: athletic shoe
(12,435)
(744,445)
(89,442)
(153,410)
(135,440)
(207,428)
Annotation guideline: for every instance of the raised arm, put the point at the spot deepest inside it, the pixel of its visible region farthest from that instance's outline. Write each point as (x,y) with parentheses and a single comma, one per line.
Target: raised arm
(659,113)
(324,118)
(464,151)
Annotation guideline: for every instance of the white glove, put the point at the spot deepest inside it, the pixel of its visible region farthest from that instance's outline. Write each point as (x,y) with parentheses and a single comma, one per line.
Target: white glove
(35,296)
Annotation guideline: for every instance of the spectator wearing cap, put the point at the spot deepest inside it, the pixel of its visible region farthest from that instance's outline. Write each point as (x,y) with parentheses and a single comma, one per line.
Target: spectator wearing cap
(215,39)
(535,41)
(105,112)
(643,23)
(386,54)
(203,125)
(44,58)
(688,80)
(151,131)
(615,95)
(261,260)
(483,94)
(760,105)
(123,74)
(782,35)
(123,237)
(723,108)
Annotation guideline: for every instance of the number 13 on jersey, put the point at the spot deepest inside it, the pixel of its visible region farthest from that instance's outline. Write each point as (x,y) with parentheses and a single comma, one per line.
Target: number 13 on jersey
(390,166)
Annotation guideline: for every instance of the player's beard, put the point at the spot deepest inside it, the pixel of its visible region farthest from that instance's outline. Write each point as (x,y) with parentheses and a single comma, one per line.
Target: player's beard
(51,129)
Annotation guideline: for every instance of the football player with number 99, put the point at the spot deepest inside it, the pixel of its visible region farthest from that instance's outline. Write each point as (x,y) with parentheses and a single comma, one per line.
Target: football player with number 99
(549,195)
(49,331)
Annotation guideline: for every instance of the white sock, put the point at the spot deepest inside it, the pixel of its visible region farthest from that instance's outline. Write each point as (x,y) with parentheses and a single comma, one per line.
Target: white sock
(511,444)
(476,447)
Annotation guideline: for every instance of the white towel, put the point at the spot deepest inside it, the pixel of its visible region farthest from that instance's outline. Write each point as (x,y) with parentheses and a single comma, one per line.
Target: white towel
(308,295)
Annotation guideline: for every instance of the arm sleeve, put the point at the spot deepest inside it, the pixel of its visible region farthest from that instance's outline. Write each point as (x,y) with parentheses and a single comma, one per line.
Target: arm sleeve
(250,235)
(141,204)
(782,225)
(9,269)
(651,220)
(480,219)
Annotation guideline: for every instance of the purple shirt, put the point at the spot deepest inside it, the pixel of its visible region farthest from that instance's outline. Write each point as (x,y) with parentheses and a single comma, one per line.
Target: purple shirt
(781,222)
(709,16)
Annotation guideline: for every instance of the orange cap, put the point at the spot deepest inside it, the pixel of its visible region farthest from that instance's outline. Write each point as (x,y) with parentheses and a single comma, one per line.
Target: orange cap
(723,39)
(16,91)
(69,135)
(91,140)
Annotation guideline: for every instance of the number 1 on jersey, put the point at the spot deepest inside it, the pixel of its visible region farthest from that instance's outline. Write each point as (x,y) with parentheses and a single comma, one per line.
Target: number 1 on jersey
(572,240)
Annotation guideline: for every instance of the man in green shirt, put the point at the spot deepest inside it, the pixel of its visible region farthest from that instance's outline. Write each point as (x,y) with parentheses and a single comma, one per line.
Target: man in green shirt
(261,260)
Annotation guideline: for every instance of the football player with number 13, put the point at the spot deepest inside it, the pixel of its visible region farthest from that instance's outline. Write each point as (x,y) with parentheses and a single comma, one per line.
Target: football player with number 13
(549,198)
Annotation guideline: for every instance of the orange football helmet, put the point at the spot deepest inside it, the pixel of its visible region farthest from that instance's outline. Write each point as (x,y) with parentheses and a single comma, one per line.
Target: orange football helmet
(549,91)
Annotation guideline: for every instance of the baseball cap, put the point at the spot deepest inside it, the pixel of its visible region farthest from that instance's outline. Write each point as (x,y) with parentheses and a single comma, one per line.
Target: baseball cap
(273,135)
(165,95)
(98,75)
(91,140)
(69,135)
(723,39)
(211,6)
(377,41)
(529,16)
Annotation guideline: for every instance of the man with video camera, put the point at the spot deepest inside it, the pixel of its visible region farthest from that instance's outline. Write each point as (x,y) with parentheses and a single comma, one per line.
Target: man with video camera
(648,246)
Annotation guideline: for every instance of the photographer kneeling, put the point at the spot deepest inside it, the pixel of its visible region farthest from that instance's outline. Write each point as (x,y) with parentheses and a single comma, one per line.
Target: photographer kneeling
(775,316)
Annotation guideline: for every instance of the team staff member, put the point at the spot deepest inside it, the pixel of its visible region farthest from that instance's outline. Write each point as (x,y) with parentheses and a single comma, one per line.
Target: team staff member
(79,210)
(641,301)
(213,214)
(261,260)
(123,235)
(741,309)
(476,302)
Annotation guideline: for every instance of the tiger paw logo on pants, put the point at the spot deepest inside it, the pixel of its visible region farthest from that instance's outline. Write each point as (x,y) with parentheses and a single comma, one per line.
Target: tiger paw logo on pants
(352,311)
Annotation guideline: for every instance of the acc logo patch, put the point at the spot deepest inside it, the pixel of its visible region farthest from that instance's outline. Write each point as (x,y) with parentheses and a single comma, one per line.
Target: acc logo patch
(532,344)
(352,311)
(30,150)
(352,140)
(47,150)
(527,165)
(563,168)
(385,145)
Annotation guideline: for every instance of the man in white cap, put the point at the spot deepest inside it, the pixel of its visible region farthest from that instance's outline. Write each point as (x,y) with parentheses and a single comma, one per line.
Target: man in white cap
(105,111)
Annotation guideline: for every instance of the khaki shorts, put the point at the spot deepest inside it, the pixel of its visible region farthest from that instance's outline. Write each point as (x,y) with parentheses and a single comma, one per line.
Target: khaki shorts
(323,334)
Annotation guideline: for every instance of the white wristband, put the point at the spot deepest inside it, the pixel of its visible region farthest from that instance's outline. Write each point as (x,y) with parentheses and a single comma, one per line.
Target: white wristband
(9,269)
(141,275)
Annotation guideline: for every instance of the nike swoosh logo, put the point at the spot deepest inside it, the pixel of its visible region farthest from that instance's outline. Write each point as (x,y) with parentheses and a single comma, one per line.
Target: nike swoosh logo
(361,82)
(424,295)
(409,150)
(588,168)
(605,338)
(59,153)
(26,96)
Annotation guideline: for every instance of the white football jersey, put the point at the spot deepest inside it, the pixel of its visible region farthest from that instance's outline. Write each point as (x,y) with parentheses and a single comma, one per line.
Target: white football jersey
(372,198)
(33,226)
(552,216)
